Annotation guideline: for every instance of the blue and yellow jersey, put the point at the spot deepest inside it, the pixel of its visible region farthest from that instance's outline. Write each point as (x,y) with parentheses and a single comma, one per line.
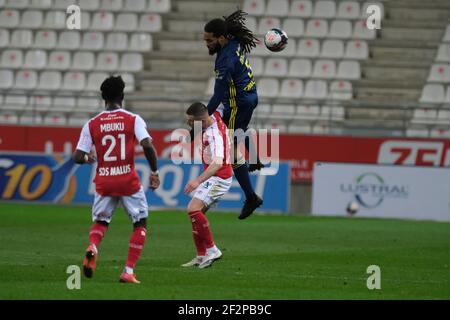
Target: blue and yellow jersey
(235,85)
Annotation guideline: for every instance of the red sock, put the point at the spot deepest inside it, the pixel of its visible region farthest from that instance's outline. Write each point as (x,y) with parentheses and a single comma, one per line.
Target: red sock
(136,245)
(201,225)
(97,233)
(196,233)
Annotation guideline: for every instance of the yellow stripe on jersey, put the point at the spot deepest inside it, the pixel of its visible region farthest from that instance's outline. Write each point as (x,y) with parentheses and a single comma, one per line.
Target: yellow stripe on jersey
(233,105)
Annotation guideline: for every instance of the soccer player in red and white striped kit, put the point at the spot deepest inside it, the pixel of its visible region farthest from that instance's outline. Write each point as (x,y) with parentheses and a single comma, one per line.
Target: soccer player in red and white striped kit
(114,134)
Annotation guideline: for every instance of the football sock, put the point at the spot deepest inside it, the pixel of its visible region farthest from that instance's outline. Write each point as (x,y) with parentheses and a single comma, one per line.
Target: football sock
(196,234)
(136,245)
(202,227)
(252,152)
(243,177)
(97,233)
(129,270)
(212,250)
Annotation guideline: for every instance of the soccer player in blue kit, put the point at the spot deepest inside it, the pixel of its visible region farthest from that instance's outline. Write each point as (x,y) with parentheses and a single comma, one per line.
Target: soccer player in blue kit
(235,92)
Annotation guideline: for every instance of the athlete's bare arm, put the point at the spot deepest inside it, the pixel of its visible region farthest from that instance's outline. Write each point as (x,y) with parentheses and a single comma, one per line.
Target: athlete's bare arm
(81,157)
(150,155)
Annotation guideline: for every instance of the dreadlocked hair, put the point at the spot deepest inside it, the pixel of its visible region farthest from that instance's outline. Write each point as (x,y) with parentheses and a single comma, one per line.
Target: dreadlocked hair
(233,27)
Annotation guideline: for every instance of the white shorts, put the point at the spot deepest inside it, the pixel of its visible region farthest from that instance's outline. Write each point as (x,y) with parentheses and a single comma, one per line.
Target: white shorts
(210,191)
(135,206)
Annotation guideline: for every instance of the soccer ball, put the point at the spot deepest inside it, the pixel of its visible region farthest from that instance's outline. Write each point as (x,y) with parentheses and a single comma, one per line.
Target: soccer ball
(276,40)
(352,208)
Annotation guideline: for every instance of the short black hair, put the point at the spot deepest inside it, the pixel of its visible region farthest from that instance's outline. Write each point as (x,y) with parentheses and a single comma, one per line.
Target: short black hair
(197,109)
(112,89)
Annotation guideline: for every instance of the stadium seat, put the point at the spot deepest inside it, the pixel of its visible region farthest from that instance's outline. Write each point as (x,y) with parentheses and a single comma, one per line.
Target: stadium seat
(308,112)
(12,59)
(357,49)
(69,40)
(276,67)
(63,4)
(308,48)
(417,132)
(150,22)
(299,128)
(78,119)
(251,23)
(340,29)
(74,81)
(332,49)
(45,40)
(89,104)
(293,27)
(443,116)
(55,20)
(26,80)
(63,103)
(93,41)
(268,88)
(141,42)
(257,65)
(8,117)
(277,8)
(40,4)
(83,61)
(117,41)
(300,68)
(107,61)
(291,88)
(443,53)
(360,31)
(290,50)
(349,10)
(447,95)
(135,5)
(440,133)
(16,101)
(39,103)
(263,109)
(89,5)
(32,19)
(159,6)
(95,80)
(59,60)
(126,22)
(21,39)
(283,110)
(49,80)
(111,5)
(55,119)
(433,93)
(4,38)
(340,90)
(255,7)
(325,69)
(9,18)
(424,116)
(28,118)
(316,89)
(321,128)
(335,113)
(129,82)
(16,4)
(102,21)
(446,37)
(6,79)
(268,23)
(316,28)
(210,87)
(35,59)
(324,9)
(439,73)
(349,70)
(260,49)
(85,20)
(301,8)
(131,62)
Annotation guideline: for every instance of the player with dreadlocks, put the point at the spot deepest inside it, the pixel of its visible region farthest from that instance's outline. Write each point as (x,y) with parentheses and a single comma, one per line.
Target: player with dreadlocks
(235,89)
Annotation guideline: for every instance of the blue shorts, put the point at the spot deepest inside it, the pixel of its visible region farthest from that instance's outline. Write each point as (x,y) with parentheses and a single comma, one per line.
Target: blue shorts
(239,117)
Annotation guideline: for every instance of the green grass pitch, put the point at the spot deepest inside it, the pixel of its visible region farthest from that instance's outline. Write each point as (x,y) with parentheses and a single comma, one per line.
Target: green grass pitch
(265,257)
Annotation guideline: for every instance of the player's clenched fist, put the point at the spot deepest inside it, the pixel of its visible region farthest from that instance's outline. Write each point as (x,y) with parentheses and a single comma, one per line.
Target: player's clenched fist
(154,182)
(191,186)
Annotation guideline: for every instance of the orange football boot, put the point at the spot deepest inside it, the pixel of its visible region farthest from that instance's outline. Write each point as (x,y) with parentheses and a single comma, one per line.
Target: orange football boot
(128,278)
(89,261)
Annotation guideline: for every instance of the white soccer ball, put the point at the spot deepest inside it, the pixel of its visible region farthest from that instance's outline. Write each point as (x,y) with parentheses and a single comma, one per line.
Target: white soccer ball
(352,208)
(276,40)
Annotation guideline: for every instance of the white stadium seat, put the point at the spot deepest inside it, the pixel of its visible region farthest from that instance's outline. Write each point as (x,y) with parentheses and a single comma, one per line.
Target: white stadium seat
(349,10)
(35,59)
(257,65)
(263,109)
(4,38)
(332,49)
(433,93)
(16,4)
(150,22)
(440,133)
(89,104)
(74,81)
(107,61)
(300,68)
(341,90)
(424,116)
(301,8)
(117,41)
(254,7)
(12,59)
(9,18)
(443,116)
(69,40)
(95,80)
(268,87)
(308,111)
(447,95)
(6,79)
(332,113)
(135,5)
(85,20)
(417,132)
(49,80)
(357,49)
(446,37)
(30,118)
(55,20)
(439,72)
(16,101)
(316,89)
(39,102)
(45,40)
(316,28)
(26,80)
(89,5)
(78,119)
(103,21)
(111,5)
(290,50)
(321,128)
(360,31)
(209,90)
(324,69)
(129,82)
(59,60)
(308,48)
(268,23)
(141,42)
(40,4)
(324,9)
(83,61)
(340,29)
(21,39)
(131,62)
(126,22)
(349,70)
(93,41)
(443,53)
(8,117)
(260,49)
(291,88)
(159,6)
(283,110)
(278,8)
(32,19)
(63,4)
(276,67)
(55,119)
(64,103)
(251,23)
(294,27)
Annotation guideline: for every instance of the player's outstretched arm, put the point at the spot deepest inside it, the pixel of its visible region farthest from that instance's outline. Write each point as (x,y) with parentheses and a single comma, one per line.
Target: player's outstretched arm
(150,155)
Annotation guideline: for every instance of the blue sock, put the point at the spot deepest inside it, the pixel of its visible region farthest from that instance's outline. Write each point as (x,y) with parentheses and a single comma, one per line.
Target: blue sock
(242,176)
